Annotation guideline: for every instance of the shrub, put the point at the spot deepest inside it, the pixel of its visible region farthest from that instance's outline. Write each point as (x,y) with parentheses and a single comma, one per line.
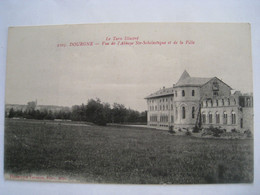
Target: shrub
(179,129)
(171,129)
(188,133)
(248,133)
(195,129)
(216,132)
(233,130)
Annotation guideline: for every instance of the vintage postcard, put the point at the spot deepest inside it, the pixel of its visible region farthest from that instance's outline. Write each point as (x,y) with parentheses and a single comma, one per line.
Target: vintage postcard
(144,103)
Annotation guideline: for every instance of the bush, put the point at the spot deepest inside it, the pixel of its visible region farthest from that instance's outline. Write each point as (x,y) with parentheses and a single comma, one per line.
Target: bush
(215,131)
(248,133)
(233,130)
(195,129)
(179,129)
(188,133)
(171,129)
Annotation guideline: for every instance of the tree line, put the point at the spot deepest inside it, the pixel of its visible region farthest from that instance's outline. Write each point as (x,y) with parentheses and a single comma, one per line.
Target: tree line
(94,111)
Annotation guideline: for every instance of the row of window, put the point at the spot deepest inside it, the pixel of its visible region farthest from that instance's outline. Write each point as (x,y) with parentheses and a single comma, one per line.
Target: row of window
(154,117)
(176,94)
(183,93)
(209,103)
(217,118)
(161,107)
(163,118)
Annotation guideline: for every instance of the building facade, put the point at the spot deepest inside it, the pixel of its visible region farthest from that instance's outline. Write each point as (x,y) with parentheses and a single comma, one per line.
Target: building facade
(204,102)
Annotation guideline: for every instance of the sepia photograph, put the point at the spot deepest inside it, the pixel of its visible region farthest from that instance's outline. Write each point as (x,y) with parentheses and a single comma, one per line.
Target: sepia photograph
(130,103)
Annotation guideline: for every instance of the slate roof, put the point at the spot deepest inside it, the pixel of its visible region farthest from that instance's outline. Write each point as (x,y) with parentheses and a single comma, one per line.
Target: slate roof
(161,92)
(185,81)
(193,81)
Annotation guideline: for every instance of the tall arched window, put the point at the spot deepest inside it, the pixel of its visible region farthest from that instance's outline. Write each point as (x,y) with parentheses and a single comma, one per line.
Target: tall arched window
(224,118)
(203,117)
(210,117)
(217,118)
(223,103)
(233,114)
(193,92)
(217,102)
(183,112)
(183,93)
(193,112)
(228,101)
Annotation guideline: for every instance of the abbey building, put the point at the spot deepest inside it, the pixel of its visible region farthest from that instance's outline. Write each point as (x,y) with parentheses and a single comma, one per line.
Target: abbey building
(201,102)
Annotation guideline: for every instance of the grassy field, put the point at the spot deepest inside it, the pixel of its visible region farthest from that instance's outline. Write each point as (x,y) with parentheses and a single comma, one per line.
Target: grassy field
(123,154)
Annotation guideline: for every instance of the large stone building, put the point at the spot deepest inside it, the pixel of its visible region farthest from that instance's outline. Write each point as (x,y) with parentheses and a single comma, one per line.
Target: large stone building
(203,102)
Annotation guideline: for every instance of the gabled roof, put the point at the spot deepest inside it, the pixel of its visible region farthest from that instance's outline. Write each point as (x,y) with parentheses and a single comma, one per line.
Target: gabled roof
(192,81)
(161,92)
(187,80)
(184,81)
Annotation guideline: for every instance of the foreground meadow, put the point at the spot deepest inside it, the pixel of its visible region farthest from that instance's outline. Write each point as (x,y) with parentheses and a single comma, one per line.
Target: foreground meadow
(123,154)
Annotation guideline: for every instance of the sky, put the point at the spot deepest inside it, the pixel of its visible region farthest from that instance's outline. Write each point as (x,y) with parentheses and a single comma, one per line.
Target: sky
(37,68)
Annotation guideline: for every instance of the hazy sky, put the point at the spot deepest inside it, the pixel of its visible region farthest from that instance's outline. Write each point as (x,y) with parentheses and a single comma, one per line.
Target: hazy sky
(38,69)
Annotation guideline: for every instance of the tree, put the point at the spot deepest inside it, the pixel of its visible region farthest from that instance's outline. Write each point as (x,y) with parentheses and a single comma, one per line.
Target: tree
(11,113)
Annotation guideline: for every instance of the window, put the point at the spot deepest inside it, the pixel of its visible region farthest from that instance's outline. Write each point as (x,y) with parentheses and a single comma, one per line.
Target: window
(233,114)
(171,107)
(153,118)
(172,118)
(217,102)
(228,101)
(176,113)
(217,118)
(183,93)
(225,118)
(210,117)
(235,102)
(203,118)
(215,93)
(193,93)
(248,102)
(155,107)
(171,99)
(163,107)
(160,107)
(223,103)
(183,112)
(176,93)
(206,103)
(193,112)
(167,107)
